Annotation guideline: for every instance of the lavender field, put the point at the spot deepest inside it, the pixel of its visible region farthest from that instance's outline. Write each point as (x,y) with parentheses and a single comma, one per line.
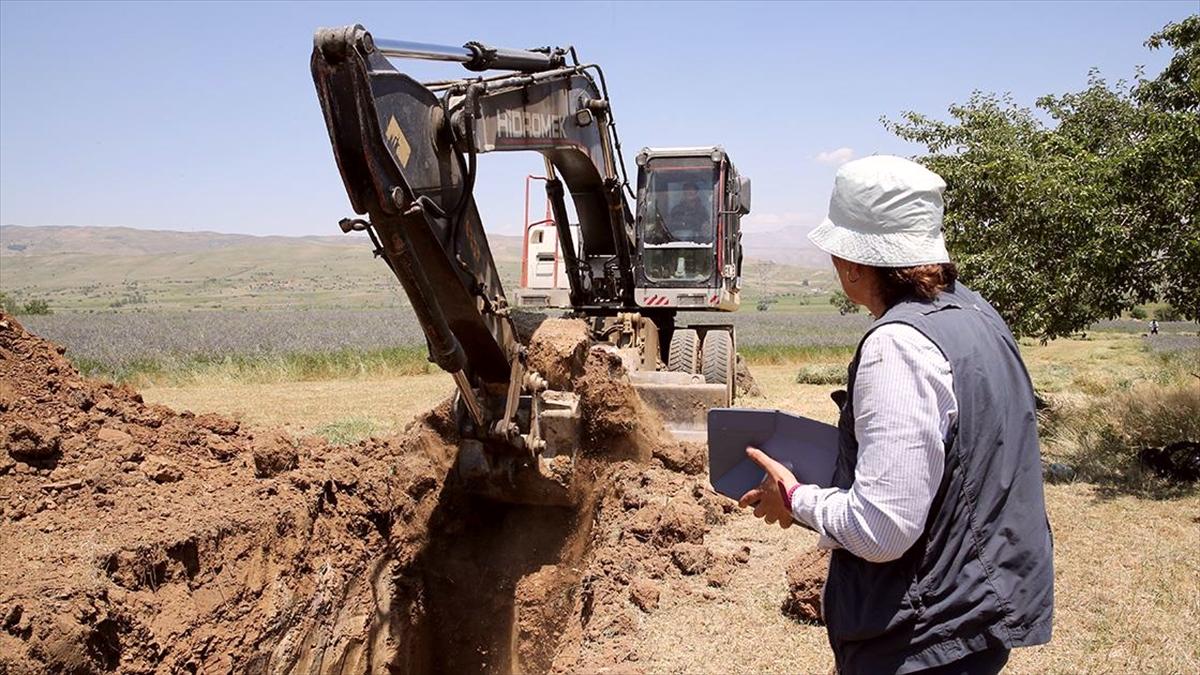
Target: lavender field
(119,337)
(114,343)
(121,345)
(124,344)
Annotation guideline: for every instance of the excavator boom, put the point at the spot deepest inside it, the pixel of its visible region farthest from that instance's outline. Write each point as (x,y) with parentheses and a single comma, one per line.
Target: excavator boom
(407,155)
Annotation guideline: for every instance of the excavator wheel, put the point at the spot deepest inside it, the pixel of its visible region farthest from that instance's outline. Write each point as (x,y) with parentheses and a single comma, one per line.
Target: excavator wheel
(684,354)
(718,359)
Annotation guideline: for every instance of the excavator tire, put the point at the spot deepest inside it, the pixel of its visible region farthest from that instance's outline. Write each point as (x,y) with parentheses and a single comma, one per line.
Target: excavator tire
(684,354)
(718,359)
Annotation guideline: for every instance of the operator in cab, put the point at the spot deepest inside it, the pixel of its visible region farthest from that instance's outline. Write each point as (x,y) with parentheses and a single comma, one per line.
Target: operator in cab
(688,221)
(942,556)
(691,218)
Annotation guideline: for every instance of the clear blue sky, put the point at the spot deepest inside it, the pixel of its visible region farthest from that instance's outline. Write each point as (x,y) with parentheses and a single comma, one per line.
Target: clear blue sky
(203,116)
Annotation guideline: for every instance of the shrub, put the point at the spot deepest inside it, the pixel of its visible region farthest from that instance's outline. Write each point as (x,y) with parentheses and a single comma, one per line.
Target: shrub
(1107,435)
(843,303)
(1168,313)
(8,303)
(36,306)
(1138,313)
(822,373)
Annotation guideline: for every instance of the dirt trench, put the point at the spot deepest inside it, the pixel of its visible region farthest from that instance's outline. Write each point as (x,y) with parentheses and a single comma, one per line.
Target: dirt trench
(140,539)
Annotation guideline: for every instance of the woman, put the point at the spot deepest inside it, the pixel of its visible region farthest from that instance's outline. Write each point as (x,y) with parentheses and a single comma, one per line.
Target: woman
(942,554)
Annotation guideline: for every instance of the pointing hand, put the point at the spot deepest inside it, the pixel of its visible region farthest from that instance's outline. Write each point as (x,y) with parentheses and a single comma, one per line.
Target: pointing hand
(770,499)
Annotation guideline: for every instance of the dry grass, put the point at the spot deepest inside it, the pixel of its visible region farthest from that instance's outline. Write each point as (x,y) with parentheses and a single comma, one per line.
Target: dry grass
(1127,581)
(1127,569)
(343,410)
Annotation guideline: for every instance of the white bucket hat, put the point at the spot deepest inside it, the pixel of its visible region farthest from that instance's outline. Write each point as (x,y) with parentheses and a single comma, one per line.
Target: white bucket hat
(885,211)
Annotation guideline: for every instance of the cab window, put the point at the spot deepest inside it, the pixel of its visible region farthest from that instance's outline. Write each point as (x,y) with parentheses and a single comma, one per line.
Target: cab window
(677,221)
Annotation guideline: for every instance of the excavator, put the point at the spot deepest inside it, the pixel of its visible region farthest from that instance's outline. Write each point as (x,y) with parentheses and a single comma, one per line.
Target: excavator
(408,153)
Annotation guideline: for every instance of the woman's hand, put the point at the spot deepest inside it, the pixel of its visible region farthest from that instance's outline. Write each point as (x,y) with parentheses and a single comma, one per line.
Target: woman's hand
(770,500)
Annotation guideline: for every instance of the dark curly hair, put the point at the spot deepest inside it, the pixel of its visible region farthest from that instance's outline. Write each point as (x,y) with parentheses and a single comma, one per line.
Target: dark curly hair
(923,282)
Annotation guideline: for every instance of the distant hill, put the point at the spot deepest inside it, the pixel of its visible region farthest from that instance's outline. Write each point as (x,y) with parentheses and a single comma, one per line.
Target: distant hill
(22,240)
(785,246)
(134,269)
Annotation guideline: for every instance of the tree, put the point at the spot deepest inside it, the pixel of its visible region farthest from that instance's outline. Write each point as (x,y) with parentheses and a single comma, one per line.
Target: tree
(843,303)
(1064,223)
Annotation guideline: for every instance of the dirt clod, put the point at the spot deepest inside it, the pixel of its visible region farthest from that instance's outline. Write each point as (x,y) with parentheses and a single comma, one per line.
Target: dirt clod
(222,426)
(30,440)
(114,436)
(688,458)
(274,454)
(691,558)
(645,595)
(720,574)
(681,521)
(744,381)
(558,350)
(162,470)
(806,581)
(742,555)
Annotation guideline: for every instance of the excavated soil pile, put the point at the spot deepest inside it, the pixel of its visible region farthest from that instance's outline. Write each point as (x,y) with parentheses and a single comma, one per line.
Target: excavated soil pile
(138,539)
(649,542)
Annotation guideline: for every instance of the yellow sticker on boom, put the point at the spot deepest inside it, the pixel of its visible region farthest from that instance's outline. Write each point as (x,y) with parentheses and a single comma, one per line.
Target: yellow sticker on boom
(399,143)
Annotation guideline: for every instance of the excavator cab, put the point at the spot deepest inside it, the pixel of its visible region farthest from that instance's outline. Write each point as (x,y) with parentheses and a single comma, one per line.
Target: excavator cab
(690,202)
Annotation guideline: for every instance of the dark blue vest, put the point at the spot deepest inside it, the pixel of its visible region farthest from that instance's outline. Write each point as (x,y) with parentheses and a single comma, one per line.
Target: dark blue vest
(981,575)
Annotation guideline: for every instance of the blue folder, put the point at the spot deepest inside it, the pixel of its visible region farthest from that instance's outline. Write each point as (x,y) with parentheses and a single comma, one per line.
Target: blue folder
(806,446)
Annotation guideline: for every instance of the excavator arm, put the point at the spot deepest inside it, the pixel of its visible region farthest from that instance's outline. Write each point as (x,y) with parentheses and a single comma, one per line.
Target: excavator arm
(407,153)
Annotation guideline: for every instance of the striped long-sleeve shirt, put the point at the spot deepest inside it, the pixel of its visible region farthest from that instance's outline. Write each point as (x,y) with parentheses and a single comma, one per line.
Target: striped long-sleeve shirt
(904,409)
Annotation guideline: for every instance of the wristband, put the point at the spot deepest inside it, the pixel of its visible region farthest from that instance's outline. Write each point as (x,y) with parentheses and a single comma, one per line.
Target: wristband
(791,491)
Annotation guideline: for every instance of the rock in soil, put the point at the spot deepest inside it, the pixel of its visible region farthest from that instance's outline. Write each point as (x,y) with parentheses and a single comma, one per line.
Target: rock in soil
(274,454)
(26,439)
(644,594)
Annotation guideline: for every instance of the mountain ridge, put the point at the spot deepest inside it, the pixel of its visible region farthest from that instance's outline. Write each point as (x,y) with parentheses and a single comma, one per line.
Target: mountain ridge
(784,246)
(131,269)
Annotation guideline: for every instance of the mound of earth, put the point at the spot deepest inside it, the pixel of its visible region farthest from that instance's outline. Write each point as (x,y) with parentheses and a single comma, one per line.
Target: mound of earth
(140,539)
(650,538)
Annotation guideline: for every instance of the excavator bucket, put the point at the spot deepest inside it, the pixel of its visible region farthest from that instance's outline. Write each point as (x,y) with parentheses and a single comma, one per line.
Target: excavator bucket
(682,400)
(542,478)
